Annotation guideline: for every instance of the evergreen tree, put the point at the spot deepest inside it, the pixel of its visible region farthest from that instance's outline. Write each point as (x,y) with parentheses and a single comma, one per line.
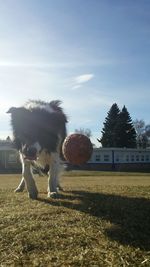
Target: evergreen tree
(118,130)
(109,137)
(125,131)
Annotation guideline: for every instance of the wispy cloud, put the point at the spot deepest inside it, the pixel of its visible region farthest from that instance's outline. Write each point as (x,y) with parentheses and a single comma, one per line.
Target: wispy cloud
(76,86)
(47,65)
(24,63)
(78,81)
(83,78)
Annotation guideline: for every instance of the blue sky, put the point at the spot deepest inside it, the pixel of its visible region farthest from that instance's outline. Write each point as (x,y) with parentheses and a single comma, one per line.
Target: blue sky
(87,53)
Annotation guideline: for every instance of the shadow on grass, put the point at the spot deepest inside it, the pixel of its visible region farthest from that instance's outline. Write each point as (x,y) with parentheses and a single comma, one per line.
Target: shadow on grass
(130,216)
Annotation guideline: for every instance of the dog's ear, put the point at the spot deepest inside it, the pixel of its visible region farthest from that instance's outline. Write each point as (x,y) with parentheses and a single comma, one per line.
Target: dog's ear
(11,110)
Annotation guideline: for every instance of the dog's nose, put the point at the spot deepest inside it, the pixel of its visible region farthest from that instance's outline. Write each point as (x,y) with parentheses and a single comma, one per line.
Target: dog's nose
(30,152)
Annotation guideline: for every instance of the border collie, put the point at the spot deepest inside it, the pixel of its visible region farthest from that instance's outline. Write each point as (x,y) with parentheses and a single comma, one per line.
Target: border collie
(39,129)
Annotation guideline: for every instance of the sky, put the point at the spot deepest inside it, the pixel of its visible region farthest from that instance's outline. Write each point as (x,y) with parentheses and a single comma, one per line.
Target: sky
(87,53)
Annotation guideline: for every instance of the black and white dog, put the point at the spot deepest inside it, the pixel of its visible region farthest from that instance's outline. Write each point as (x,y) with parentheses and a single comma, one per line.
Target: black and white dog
(39,129)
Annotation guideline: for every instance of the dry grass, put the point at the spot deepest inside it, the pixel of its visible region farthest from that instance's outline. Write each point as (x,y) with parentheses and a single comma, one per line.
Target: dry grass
(101,219)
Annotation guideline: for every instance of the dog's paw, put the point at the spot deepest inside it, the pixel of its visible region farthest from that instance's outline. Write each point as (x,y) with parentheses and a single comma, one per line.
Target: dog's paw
(52,195)
(18,190)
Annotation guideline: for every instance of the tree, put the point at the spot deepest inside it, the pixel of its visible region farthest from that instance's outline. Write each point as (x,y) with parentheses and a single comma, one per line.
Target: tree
(139,126)
(118,130)
(142,132)
(125,131)
(147,130)
(147,133)
(8,139)
(109,137)
(143,141)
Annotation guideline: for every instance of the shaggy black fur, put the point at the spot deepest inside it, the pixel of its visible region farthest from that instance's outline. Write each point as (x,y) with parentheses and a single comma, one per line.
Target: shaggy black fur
(36,124)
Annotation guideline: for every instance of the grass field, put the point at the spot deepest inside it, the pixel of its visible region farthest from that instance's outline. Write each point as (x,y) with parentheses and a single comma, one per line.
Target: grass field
(101,219)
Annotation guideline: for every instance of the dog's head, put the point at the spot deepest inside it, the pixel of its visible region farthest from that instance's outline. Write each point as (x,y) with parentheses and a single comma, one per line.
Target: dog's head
(38,126)
(31,152)
(24,133)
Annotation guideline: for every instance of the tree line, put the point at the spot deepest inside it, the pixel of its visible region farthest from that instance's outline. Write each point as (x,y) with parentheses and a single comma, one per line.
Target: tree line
(120,131)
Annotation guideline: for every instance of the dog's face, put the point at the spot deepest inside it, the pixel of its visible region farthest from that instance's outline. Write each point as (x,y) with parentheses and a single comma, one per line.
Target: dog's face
(38,126)
(31,152)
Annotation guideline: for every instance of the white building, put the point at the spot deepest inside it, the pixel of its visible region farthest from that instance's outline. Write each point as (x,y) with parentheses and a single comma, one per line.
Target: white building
(118,159)
(120,155)
(9,158)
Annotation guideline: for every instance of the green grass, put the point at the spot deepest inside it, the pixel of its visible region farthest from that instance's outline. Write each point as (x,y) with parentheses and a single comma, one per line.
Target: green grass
(101,219)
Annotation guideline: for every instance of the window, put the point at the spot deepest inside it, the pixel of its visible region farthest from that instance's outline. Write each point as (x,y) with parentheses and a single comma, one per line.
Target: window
(137,158)
(127,158)
(147,157)
(117,158)
(12,158)
(98,157)
(106,158)
(142,157)
(132,157)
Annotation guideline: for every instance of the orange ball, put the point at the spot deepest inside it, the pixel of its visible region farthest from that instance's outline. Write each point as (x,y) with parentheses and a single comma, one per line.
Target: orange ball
(77,149)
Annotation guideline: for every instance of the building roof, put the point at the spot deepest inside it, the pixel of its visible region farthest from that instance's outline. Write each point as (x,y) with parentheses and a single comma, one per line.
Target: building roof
(6,145)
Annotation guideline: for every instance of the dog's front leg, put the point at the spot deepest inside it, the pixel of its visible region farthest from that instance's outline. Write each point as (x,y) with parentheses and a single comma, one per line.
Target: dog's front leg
(21,186)
(53,179)
(30,183)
